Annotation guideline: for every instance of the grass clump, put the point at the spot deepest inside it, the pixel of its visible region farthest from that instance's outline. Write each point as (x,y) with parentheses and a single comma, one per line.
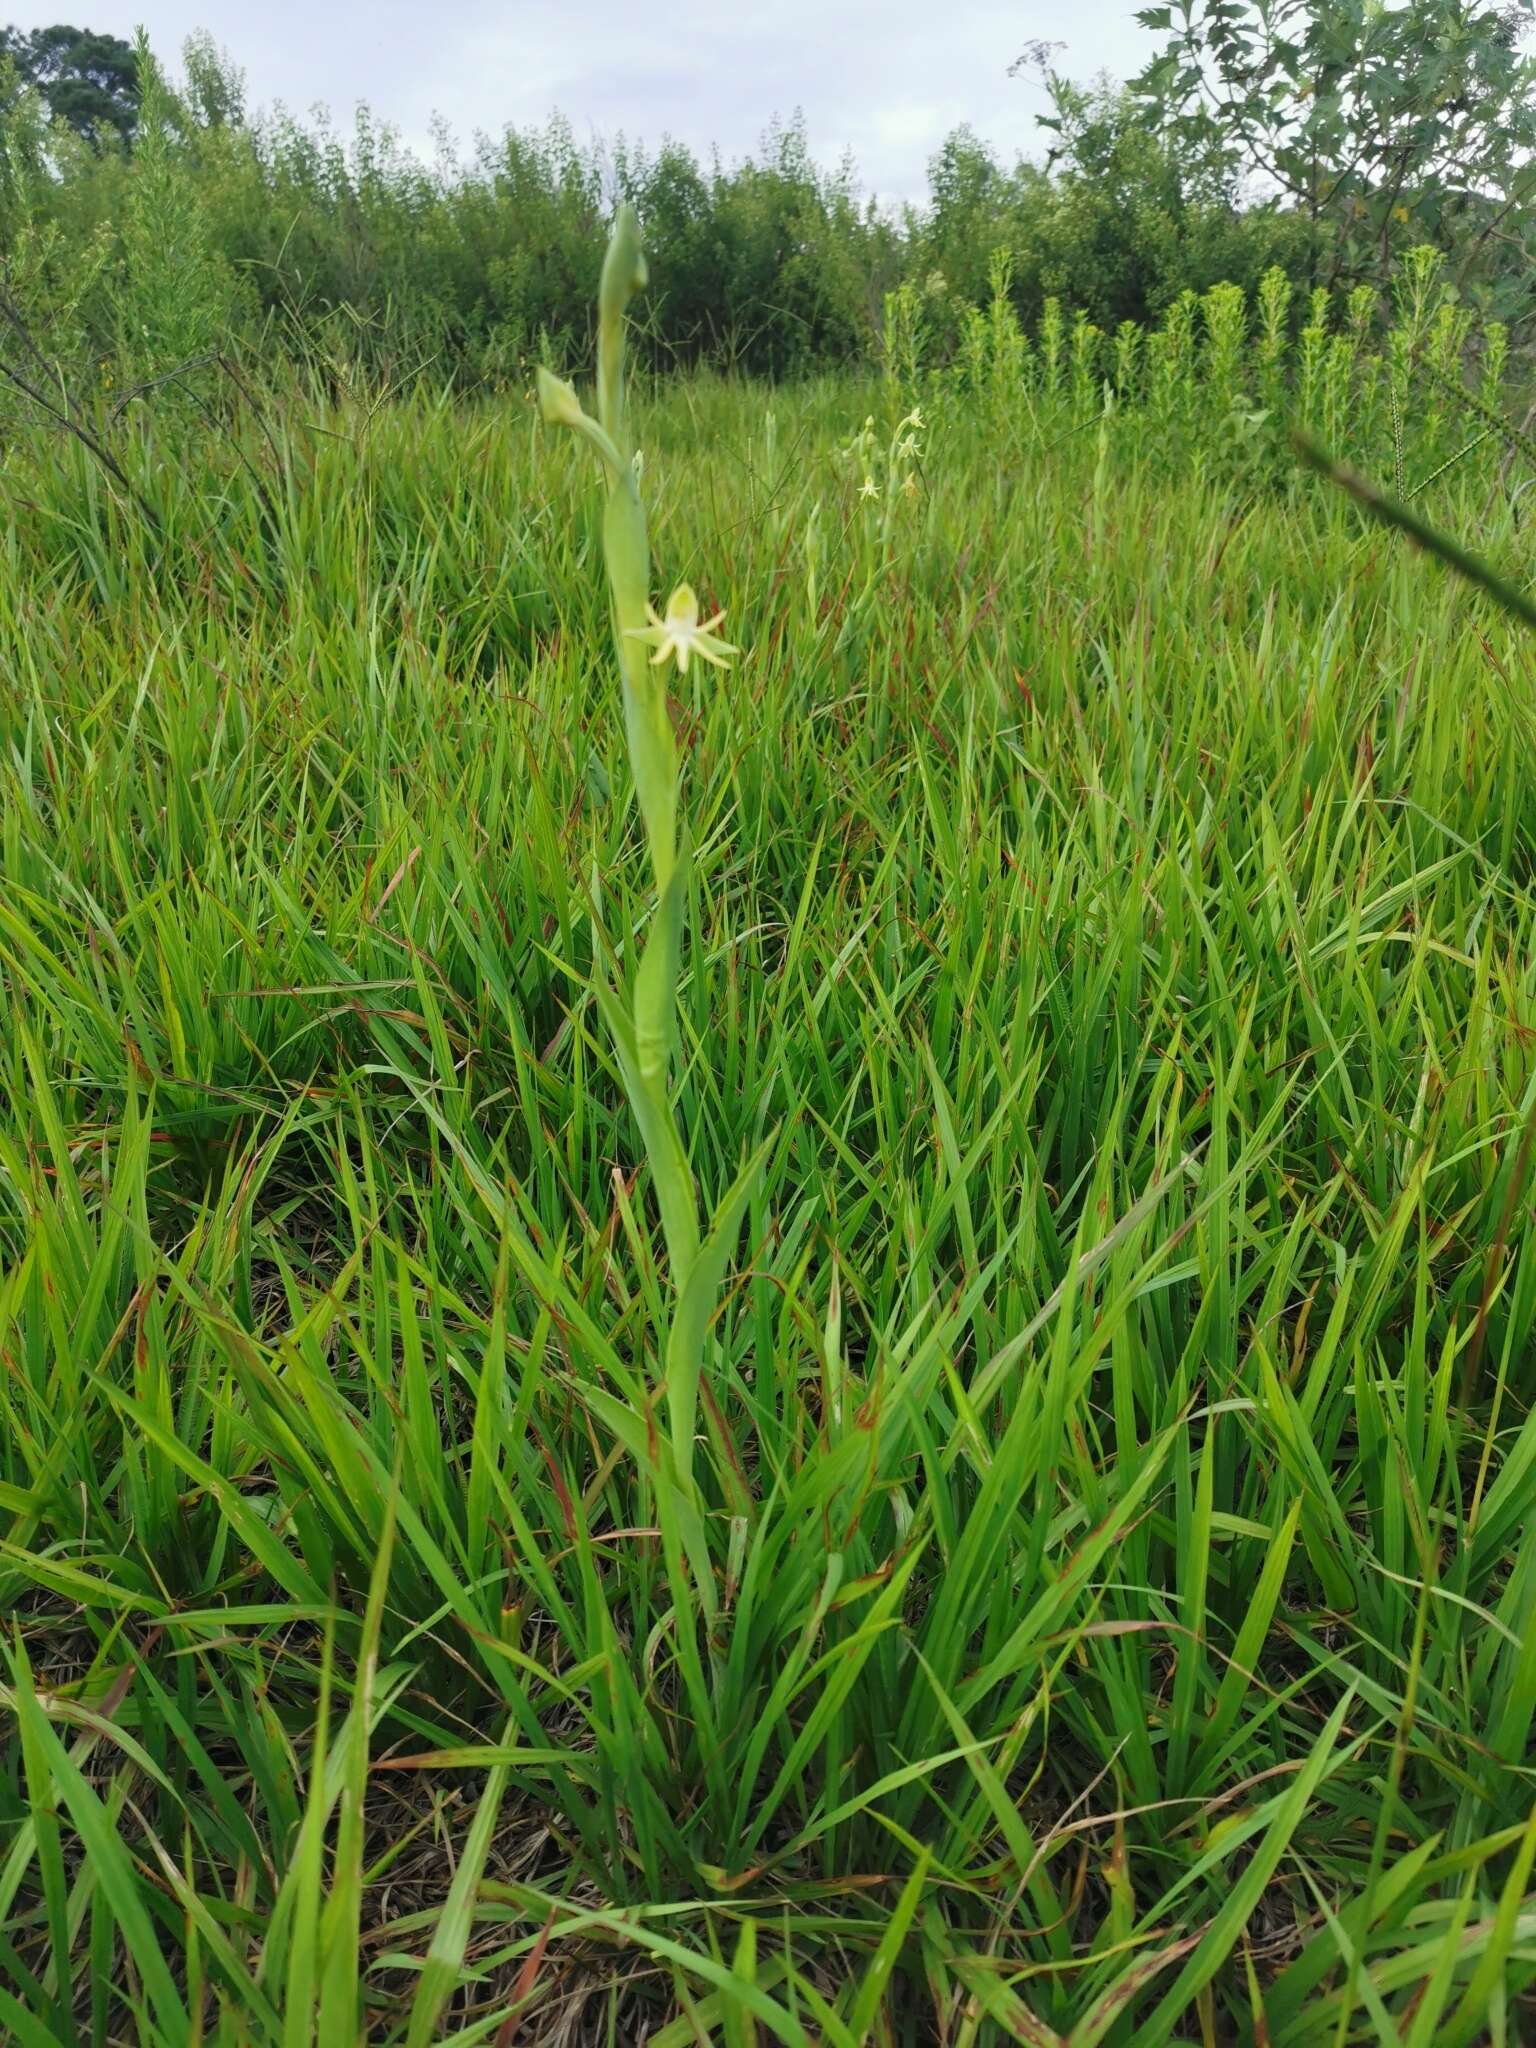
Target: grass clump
(1072,1582)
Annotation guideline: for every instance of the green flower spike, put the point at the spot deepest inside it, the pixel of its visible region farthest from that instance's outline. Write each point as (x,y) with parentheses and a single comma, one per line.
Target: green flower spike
(700,1242)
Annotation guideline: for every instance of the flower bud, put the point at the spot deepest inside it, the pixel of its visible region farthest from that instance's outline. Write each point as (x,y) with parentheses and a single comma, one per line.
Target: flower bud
(558,401)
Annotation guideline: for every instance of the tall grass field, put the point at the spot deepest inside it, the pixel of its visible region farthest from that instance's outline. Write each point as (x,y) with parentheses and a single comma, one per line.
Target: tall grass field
(885,1396)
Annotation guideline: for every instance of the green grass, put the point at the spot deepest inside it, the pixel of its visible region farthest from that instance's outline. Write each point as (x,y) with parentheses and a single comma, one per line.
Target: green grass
(1110,1615)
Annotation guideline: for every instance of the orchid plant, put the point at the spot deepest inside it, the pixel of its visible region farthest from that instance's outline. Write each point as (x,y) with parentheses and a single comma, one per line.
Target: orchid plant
(646,643)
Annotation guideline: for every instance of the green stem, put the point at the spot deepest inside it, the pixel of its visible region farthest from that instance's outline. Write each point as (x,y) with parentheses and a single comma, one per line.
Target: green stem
(653,757)
(648,727)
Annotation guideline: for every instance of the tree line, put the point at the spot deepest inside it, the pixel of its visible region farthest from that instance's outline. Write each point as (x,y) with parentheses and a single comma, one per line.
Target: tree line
(144,219)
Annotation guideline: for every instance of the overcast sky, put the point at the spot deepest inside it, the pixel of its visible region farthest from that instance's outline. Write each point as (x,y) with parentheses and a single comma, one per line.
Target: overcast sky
(886,79)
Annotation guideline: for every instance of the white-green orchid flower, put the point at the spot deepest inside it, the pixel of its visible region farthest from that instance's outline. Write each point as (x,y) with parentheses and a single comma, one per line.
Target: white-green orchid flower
(680,634)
